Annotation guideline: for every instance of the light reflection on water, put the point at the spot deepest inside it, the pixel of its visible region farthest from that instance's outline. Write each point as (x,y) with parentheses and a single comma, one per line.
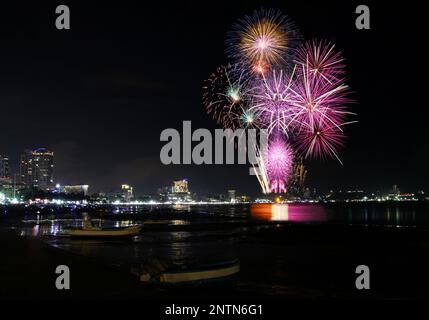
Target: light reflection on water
(289,212)
(199,245)
(387,214)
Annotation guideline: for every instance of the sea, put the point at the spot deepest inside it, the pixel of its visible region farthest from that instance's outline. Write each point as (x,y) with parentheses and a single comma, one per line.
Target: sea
(294,249)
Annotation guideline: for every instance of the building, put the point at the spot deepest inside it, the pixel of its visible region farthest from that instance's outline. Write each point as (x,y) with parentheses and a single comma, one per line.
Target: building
(179,192)
(4,167)
(5,178)
(231,196)
(37,169)
(243,199)
(395,189)
(127,192)
(6,186)
(77,189)
(165,190)
(180,186)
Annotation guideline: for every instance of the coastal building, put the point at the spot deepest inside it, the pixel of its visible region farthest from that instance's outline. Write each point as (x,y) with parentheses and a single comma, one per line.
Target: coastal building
(127,192)
(242,199)
(395,189)
(37,169)
(77,189)
(180,186)
(6,185)
(231,196)
(163,193)
(180,192)
(4,167)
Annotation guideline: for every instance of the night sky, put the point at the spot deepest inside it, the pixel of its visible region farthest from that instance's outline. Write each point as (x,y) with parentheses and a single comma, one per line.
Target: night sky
(100,94)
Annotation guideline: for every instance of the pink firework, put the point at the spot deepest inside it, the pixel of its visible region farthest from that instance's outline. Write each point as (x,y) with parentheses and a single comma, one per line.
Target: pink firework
(322,140)
(319,107)
(278,162)
(321,59)
(273,100)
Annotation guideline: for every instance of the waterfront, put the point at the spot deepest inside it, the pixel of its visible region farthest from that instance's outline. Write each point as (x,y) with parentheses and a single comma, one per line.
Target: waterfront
(295,250)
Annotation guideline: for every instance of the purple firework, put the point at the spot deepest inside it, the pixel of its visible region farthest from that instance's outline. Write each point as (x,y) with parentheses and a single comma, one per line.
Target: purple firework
(272,101)
(278,160)
(320,141)
(319,107)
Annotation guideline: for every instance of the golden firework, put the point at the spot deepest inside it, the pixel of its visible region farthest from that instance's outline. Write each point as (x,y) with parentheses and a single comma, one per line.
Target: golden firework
(264,40)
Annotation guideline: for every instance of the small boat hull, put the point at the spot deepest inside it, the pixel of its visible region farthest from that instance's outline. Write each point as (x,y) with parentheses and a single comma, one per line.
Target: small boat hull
(199,276)
(206,274)
(103,233)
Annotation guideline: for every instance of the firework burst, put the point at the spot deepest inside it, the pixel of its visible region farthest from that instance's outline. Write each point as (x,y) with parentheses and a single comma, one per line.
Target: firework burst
(321,59)
(272,101)
(322,140)
(278,160)
(318,112)
(262,39)
(225,95)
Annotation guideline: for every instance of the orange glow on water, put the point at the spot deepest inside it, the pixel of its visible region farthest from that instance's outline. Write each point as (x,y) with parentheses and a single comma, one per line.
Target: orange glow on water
(288,212)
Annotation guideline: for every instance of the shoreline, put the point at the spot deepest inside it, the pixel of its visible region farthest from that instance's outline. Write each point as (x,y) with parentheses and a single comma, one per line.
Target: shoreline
(28,272)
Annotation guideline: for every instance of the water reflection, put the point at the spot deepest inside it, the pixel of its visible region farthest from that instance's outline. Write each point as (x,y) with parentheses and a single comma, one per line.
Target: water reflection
(37,230)
(206,234)
(289,212)
(182,207)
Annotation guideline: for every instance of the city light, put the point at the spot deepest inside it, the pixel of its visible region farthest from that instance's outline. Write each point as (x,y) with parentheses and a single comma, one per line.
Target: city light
(2,198)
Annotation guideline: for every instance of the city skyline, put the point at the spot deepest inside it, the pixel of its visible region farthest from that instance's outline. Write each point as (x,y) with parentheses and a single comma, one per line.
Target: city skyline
(29,177)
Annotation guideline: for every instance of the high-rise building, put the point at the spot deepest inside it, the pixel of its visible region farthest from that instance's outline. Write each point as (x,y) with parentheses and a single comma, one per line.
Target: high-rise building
(395,189)
(26,168)
(5,178)
(180,186)
(127,192)
(76,189)
(4,167)
(231,196)
(37,169)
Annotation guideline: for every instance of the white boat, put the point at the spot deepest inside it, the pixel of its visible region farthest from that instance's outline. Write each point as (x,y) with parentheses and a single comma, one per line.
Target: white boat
(204,274)
(100,232)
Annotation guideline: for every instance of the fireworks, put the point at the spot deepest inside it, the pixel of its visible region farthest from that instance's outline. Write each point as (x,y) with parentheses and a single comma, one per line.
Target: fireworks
(323,139)
(273,99)
(319,113)
(260,67)
(320,59)
(262,39)
(300,99)
(278,160)
(224,95)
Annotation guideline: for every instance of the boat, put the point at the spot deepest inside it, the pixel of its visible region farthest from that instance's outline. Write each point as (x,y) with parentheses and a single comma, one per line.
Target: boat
(101,232)
(158,272)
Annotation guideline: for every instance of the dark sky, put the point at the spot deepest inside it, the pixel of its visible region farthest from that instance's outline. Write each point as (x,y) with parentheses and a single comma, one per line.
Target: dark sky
(100,94)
